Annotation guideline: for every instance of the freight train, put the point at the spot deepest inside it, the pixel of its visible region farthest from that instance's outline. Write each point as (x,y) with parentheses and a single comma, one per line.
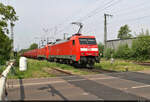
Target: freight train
(77,49)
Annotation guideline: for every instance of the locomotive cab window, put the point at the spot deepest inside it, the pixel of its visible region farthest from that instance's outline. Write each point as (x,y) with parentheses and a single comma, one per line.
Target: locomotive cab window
(73,42)
(90,41)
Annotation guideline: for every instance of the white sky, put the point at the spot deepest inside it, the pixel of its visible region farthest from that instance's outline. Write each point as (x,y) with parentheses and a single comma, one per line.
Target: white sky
(56,16)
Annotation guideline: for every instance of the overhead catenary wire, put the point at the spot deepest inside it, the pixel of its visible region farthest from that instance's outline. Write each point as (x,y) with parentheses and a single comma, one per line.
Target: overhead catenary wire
(136,11)
(130,20)
(90,12)
(94,10)
(101,10)
(109,5)
(66,20)
(127,7)
(69,18)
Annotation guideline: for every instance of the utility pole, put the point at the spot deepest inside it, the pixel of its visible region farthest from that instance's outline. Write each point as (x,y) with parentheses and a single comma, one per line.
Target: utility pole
(39,45)
(46,32)
(65,35)
(105,28)
(47,40)
(12,37)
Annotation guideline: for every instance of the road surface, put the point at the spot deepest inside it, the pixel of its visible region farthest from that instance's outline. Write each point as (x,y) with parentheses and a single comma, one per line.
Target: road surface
(110,86)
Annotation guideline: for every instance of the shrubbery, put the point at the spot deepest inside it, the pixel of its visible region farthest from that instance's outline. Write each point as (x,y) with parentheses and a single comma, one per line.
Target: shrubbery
(108,53)
(101,49)
(141,48)
(139,51)
(123,51)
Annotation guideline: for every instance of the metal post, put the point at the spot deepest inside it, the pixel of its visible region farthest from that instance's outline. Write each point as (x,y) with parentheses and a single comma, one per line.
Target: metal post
(64,36)
(12,37)
(47,40)
(105,29)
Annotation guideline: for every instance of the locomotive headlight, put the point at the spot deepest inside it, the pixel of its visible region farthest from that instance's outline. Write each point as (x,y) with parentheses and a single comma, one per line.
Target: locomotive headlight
(96,54)
(83,49)
(94,49)
(82,54)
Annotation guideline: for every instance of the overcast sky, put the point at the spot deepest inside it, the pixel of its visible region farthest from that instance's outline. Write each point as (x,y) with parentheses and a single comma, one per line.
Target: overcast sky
(56,16)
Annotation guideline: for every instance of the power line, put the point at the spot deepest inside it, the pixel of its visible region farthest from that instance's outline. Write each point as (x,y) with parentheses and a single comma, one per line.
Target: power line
(68,18)
(132,7)
(101,10)
(82,17)
(118,1)
(132,19)
(133,11)
(95,10)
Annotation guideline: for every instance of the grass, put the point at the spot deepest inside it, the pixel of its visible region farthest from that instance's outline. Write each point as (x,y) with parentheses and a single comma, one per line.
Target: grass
(36,69)
(120,65)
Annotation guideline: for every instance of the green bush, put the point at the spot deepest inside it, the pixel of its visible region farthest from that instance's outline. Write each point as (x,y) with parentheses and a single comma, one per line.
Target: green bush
(101,49)
(123,51)
(17,60)
(108,53)
(141,48)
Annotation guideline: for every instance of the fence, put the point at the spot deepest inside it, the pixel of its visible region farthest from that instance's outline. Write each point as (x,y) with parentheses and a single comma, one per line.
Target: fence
(115,43)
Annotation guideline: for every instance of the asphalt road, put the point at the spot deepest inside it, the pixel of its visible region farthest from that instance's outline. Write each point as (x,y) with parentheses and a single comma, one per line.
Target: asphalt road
(114,86)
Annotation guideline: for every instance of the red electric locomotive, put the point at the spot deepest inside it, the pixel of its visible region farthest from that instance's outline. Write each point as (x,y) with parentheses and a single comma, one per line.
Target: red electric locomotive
(76,49)
(43,53)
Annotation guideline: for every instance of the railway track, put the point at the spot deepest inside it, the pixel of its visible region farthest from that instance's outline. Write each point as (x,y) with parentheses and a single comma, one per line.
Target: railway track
(61,72)
(88,70)
(57,72)
(98,70)
(143,63)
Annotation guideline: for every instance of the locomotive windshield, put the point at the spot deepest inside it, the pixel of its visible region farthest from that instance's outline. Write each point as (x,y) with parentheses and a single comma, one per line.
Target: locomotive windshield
(90,41)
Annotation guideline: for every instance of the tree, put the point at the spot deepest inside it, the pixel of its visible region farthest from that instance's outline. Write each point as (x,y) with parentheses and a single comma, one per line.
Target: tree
(33,46)
(7,14)
(124,31)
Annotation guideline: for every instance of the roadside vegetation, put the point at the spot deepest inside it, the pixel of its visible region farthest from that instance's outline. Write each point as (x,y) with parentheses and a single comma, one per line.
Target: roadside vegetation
(38,69)
(139,51)
(125,57)
(120,65)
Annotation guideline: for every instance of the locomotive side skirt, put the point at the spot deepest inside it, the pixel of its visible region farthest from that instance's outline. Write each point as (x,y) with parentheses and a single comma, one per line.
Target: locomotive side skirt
(41,56)
(71,57)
